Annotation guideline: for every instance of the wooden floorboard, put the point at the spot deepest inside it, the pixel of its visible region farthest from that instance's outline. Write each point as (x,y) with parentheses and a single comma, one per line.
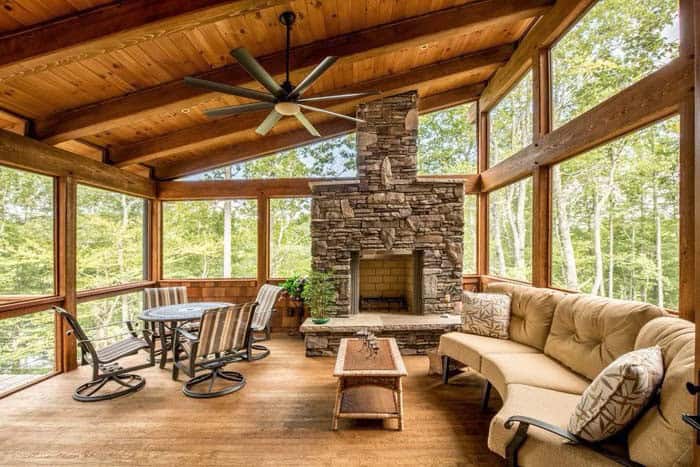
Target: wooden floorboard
(282,417)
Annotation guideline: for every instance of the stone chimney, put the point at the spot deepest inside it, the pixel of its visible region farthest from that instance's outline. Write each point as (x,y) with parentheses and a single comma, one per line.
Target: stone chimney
(390,212)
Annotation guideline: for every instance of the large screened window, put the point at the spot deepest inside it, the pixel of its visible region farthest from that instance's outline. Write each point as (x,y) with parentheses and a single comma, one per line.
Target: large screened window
(27,348)
(210,239)
(615,218)
(510,231)
(26,235)
(469,257)
(290,237)
(615,44)
(447,141)
(510,122)
(111,236)
(334,157)
(105,317)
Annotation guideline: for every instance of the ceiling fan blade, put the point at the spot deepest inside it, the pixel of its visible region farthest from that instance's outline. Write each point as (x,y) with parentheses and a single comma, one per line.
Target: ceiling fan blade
(237,109)
(267,124)
(228,89)
(313,76)
(307,124)
(316,109)
(340,96)
(258,73)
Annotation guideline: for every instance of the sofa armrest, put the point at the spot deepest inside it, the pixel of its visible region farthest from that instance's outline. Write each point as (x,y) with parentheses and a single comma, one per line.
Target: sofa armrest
(525,422)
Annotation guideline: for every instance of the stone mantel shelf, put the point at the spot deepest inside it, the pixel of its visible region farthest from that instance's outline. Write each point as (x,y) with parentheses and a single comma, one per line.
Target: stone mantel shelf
(375,322)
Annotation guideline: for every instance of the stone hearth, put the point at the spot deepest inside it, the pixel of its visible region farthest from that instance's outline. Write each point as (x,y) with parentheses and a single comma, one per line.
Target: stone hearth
(389,211)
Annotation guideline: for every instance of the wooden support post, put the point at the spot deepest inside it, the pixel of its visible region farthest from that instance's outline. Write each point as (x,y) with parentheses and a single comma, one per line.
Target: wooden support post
(482,214)
(66,268)
(263,239)
(155,231)
(541,188)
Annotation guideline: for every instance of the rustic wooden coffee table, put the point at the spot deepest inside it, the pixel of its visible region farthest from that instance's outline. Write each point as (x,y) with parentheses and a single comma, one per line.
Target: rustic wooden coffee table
(369,386)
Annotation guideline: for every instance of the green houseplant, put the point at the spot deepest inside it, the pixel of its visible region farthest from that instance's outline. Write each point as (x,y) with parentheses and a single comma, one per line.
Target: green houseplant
(318,293)
(294,286)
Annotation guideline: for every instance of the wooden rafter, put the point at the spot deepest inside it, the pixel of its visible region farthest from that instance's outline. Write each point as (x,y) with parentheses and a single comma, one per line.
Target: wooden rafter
(111,27)
(352,47)
(189,138)
(228,154)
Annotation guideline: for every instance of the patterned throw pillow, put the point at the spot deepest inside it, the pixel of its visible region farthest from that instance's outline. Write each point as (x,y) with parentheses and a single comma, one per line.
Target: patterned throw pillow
(486,314)
(618,394)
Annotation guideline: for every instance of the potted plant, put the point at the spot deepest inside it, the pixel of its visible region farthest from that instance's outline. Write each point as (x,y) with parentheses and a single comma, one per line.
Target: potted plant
(319,292)
(294,286)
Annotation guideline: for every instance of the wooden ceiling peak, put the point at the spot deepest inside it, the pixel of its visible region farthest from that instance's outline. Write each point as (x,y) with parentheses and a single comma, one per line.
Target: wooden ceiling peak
(354,46)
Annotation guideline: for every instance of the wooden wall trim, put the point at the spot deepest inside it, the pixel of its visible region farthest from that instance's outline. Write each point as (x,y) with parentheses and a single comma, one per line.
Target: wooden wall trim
(548,29)
(66,267)
(652,98)
(106,292)
(25,153)
(263,239)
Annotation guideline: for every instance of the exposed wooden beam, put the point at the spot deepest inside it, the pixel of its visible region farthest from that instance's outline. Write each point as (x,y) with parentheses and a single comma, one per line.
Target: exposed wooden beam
(84,149)
(652,98)
(547,30)
(175,96)
(230,189)
(110,27)
(25,153)
(13,123)
(221,129)
(228,154)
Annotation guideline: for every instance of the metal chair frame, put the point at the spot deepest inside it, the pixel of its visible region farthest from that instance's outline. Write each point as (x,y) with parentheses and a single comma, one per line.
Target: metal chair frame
(107,370)
(214,366)
(263,351)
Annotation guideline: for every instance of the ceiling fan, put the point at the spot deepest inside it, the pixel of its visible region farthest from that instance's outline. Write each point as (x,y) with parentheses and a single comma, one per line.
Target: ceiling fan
(284,99)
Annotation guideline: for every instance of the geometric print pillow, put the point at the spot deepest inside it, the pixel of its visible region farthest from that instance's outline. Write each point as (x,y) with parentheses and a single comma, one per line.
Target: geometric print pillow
(618,395)
(486,314)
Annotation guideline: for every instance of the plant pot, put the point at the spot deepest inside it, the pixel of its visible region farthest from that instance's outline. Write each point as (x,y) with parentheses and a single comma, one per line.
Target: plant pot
(320,320)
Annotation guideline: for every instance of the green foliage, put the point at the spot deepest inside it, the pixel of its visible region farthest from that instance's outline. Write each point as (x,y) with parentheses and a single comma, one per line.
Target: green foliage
(193,239)
(447,141)
(110,238)
(510,122)
(290,236)
(294,286)
(469,257)
(319,293)
(27,344)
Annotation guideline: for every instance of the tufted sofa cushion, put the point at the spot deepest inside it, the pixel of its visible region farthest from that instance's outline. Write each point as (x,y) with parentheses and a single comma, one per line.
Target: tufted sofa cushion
(660,437)
(531,312)
(589,332)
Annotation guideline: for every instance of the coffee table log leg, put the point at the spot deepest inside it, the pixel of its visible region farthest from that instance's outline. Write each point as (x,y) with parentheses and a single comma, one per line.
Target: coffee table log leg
(400,404)
(336,409)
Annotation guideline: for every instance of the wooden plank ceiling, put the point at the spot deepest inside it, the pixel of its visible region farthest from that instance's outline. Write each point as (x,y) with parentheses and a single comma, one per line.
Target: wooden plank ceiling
(105,78)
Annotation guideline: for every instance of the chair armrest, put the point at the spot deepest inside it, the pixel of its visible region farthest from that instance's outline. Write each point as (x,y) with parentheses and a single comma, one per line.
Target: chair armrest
(128,324)
(97,339)
(527,421)
(187,335)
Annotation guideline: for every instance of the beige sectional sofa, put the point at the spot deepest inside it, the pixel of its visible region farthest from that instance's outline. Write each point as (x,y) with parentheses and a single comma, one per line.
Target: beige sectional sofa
(558,343)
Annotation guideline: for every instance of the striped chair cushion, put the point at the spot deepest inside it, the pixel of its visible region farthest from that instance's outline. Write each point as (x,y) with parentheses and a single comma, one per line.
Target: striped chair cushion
(266,299)
(164,296)
(224,329)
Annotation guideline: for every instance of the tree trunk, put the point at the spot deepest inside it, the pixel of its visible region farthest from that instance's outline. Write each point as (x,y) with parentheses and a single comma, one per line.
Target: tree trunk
(597,249)
(659,262)
(227,228)
(498,241)
(563,231)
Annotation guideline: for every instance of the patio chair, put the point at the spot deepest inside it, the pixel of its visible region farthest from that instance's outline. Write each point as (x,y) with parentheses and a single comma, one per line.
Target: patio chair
(222,339)
(162,296)
(266,299)
(105,368)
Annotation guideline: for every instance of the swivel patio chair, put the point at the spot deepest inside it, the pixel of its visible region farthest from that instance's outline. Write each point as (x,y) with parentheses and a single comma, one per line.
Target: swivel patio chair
(105,368)
(266,299)
(163,296)
(222,339)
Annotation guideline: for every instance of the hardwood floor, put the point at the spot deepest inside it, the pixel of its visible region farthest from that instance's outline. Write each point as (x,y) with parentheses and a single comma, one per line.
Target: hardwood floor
(282,417)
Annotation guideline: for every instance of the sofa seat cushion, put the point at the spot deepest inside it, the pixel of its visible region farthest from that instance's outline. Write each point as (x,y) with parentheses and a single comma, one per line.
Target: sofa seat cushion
(468,348)
(541,447)
(531,311)
(533,369)
(588,333)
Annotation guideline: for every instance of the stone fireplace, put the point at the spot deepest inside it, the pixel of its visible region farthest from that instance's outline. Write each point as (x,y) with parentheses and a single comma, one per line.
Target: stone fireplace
(392,240)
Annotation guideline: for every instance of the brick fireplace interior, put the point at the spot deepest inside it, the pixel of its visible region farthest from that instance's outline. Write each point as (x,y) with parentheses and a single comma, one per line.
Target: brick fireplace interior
(387,283)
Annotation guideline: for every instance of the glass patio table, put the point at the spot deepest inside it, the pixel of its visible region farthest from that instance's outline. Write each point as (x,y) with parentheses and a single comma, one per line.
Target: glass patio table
(170,315)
